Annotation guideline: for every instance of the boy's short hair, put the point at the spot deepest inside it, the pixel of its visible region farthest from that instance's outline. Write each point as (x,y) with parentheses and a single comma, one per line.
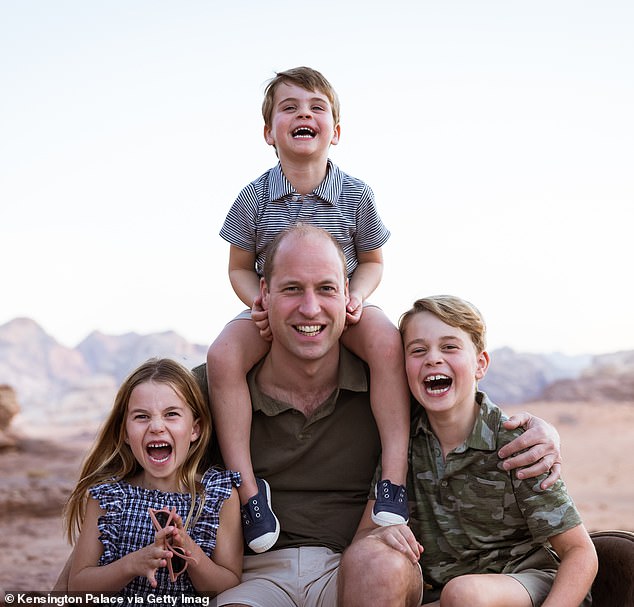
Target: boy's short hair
(453,311)
(308,79)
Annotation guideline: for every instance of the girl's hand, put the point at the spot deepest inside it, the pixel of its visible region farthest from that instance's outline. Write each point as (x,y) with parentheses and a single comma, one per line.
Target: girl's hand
(260,317)
(148,560)
(181,539)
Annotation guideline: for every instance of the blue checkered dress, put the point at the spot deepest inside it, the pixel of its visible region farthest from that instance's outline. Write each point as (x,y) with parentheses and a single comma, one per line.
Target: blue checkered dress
(127,527)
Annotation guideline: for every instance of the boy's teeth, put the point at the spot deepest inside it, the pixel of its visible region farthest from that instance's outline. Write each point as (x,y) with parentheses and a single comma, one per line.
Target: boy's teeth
(438,384)
(303,132)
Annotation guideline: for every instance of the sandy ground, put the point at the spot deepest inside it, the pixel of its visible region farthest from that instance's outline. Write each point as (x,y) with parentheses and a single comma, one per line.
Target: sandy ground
(37,476)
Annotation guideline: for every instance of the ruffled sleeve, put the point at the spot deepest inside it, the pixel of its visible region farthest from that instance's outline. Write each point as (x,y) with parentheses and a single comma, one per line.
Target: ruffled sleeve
(111,499)
(218,485)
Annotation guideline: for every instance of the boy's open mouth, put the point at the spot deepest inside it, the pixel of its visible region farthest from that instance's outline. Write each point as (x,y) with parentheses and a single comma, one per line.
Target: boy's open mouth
(159,452)
(437,384)
(309,330)
(303,132)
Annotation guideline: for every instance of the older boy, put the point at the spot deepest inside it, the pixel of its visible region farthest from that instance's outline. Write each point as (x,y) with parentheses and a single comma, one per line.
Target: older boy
(488,536)
(301,121)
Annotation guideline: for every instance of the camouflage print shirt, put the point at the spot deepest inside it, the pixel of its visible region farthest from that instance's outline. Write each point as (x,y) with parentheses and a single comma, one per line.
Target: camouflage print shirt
(470,515)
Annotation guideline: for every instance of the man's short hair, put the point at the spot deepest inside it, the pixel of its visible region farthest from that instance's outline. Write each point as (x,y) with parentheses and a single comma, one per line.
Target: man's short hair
(300,230)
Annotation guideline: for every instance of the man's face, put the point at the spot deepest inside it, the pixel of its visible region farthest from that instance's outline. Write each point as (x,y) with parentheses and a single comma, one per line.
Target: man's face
(307,296)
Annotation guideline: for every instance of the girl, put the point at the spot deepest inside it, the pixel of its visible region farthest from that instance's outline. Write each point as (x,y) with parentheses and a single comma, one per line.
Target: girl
(146,460)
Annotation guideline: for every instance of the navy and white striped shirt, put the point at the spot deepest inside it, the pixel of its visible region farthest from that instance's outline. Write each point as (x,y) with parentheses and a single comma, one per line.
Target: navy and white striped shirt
(341,204)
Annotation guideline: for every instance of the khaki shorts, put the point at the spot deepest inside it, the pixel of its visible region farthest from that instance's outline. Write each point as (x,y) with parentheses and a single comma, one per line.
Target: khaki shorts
(538,582)
(304,577)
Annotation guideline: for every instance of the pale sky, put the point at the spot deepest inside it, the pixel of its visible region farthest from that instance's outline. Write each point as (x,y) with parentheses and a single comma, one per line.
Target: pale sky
(498,137)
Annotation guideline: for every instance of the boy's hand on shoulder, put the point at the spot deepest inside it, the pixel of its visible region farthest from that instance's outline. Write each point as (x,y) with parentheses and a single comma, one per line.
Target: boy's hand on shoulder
(400,538)
(260,317)
(354,310)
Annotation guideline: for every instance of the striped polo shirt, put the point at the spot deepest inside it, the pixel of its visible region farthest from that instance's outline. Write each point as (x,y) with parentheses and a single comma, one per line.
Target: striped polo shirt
(341,204)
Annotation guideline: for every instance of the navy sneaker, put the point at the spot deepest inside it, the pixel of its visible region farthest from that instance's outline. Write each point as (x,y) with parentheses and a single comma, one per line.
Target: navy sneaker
(260,526)
(391,506)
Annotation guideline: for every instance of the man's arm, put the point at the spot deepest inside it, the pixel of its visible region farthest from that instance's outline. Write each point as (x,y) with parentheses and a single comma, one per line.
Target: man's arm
(536,451)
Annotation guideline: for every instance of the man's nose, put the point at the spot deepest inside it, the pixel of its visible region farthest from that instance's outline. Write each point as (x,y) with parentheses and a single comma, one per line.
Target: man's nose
(310,304)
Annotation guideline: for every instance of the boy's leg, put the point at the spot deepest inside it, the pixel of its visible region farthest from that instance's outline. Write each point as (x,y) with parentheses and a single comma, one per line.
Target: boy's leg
(377,341)
(485,590)
(234,352)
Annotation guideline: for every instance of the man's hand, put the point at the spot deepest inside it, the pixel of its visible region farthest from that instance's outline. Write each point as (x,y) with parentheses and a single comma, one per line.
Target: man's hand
(536,451)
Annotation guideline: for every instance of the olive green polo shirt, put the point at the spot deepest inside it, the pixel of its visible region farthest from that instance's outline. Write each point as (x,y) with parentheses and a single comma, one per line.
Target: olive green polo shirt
(319,468)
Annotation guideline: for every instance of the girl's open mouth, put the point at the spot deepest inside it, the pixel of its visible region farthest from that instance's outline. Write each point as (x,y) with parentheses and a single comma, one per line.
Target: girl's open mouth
(159,452)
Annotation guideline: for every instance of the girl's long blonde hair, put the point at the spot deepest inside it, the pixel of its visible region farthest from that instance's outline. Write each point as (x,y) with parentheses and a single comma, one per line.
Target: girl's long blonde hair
(111,459)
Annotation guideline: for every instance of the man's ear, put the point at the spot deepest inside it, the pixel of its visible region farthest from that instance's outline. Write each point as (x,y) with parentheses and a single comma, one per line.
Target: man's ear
(264,294)
(483,361)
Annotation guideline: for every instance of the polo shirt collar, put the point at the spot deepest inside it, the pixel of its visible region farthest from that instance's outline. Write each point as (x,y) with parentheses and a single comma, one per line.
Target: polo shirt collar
(352,376)
(328,190)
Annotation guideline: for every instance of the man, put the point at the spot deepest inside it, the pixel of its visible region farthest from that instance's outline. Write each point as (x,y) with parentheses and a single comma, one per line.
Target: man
(314,439)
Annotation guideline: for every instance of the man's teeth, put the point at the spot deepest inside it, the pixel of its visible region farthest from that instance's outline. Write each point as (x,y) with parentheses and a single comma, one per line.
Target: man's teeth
(309,329)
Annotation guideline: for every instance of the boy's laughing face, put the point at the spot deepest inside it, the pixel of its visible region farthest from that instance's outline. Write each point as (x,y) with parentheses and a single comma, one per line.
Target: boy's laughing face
(442,363)
(302,124)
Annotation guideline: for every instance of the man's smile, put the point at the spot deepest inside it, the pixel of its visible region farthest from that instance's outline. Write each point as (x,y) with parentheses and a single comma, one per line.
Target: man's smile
(309,330)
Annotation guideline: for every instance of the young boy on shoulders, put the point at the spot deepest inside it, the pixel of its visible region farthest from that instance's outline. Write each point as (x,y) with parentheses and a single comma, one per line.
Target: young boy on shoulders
(301,121)
(489,539)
